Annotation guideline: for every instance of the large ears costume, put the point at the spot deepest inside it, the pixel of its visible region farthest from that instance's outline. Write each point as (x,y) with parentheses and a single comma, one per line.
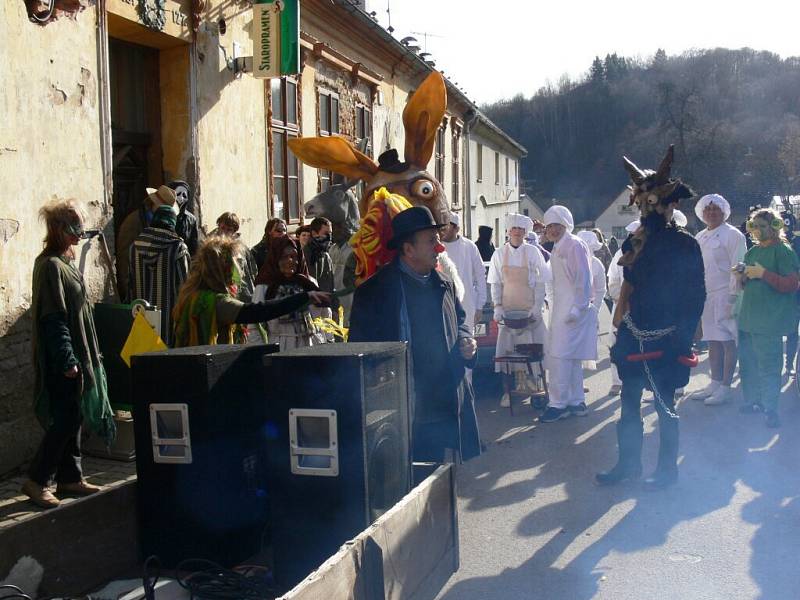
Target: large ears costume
(334,154)
(422,118)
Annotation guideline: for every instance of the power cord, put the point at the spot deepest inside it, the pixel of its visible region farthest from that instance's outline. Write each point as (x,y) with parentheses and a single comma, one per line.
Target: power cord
(16,593)
(214,582)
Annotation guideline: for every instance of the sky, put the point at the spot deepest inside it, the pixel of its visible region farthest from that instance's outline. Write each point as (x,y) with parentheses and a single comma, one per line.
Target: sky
(498,49)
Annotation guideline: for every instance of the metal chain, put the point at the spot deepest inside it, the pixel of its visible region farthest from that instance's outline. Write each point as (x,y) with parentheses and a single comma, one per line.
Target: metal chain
(643,336)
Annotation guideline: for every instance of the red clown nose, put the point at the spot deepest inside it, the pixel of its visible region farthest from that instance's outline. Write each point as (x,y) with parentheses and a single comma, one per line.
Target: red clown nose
(439,248)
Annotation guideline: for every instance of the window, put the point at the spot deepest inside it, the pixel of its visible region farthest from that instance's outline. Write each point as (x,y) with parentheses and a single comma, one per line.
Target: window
(328,103)
(455,200)
(497,232)
(507,172)
(364,129)
(516,173)
(286,194)
(439,154)
(525,212)
(479,169)
(497,168)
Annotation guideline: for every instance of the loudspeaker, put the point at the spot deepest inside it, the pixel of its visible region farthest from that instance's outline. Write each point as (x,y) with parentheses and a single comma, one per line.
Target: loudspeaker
(199,424)
(339,449)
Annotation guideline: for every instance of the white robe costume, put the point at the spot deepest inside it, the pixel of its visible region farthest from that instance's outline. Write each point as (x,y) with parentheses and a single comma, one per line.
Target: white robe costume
(467,259)
(573,319)
(722,248)
(507,261)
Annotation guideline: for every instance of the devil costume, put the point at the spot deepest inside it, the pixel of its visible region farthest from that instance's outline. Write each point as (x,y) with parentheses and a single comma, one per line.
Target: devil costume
(656,325)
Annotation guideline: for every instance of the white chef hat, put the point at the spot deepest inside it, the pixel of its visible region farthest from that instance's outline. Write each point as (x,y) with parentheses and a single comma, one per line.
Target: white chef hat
(532,238)
(455,219)
(679,218)
(518,220)
(632,226)
(591,240)
(559,215)
(712,199)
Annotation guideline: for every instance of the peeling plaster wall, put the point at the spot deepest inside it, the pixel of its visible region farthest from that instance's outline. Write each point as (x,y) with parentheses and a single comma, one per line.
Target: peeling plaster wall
(49,147)
(232,162)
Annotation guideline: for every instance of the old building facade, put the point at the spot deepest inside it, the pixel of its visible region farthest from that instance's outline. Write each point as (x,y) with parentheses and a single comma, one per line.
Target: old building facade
(112,96)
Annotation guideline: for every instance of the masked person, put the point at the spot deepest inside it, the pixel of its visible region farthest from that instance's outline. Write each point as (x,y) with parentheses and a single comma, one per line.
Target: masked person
(409,300)
(320,267)
(207,311)
(131,227)
(186,225)
(770,281)
(159,264)
(656,316)
(517,276)
(723,247)
(70,381)
(572,337)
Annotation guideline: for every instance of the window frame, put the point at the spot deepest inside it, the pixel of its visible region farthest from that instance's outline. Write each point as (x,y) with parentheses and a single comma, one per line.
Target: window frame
(479,169)
(496,168)
(332,99)
(281,126)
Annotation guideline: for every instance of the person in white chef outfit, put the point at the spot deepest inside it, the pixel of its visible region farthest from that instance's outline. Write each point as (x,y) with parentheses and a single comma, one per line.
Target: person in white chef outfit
(469,265)
(572,336)
(598,279)
(723,247)
(517,276)
(615,278)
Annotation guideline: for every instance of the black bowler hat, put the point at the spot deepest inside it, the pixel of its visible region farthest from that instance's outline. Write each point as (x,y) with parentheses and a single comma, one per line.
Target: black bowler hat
(408,222)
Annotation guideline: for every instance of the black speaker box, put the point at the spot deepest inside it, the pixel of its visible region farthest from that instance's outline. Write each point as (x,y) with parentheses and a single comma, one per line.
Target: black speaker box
(199,420)
(339,448)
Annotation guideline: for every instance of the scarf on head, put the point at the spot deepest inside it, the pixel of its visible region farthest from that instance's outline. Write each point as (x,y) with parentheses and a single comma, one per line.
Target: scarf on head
(164,218)
(270,272)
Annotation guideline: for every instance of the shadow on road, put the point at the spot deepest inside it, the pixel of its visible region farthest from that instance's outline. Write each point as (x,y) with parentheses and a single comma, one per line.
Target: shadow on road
(532,492)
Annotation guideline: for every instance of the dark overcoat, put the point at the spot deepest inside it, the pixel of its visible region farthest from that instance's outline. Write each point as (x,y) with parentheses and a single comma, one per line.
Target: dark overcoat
(378,315)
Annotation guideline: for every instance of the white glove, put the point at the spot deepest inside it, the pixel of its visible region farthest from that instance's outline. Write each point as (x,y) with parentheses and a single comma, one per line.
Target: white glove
(498,313)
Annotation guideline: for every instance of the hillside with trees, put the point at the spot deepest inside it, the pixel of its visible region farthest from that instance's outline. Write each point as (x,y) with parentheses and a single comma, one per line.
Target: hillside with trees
(733,115)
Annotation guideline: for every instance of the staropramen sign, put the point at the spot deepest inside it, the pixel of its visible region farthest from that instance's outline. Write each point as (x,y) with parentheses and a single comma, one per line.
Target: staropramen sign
(276,38)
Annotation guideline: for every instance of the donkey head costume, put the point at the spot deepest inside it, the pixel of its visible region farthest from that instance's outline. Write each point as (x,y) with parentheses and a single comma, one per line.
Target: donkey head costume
(652,192)
(422,118)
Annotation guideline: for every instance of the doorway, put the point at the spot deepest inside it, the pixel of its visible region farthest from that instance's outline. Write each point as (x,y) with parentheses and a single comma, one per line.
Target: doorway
(135,125)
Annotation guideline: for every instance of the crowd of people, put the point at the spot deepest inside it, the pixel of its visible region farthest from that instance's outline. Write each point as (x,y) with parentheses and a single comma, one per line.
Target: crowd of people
(547,286)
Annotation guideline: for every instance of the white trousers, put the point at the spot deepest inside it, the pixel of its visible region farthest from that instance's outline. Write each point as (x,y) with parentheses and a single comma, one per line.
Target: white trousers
(565,382)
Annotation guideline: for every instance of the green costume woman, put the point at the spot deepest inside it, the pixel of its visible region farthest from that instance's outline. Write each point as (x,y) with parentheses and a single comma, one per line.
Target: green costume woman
(70,383)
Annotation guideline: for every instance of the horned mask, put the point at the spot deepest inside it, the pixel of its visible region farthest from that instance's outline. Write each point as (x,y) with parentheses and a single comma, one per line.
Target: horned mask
(654,191)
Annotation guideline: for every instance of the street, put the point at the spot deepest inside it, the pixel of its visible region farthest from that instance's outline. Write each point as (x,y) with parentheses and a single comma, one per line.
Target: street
(533,524)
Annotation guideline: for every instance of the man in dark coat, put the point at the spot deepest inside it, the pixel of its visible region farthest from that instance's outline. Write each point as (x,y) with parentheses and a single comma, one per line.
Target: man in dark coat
(408,300)
(484,243)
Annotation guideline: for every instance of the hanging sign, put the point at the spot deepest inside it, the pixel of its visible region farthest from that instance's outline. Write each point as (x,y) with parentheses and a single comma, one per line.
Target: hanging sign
(276,38)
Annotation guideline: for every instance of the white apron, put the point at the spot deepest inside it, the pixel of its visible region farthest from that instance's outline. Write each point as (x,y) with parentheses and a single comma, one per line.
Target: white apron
(717,321)
(577,340)
(517,295)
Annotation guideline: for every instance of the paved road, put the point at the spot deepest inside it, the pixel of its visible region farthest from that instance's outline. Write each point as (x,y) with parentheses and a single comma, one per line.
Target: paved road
(532,524)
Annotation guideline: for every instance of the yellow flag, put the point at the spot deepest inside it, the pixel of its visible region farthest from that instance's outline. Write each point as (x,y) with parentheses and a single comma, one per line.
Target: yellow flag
(142,338)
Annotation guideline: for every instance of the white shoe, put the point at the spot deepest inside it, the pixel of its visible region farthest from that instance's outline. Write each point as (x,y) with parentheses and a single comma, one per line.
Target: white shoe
(720,396)
(505,401)
(705,392)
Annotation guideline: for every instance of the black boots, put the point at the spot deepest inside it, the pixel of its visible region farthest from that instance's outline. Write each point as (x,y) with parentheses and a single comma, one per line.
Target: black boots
(629,463)
(666,473)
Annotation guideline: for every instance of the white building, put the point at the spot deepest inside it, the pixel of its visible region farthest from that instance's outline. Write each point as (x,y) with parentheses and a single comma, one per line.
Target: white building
(492,177)
(612,220)
(529,207)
